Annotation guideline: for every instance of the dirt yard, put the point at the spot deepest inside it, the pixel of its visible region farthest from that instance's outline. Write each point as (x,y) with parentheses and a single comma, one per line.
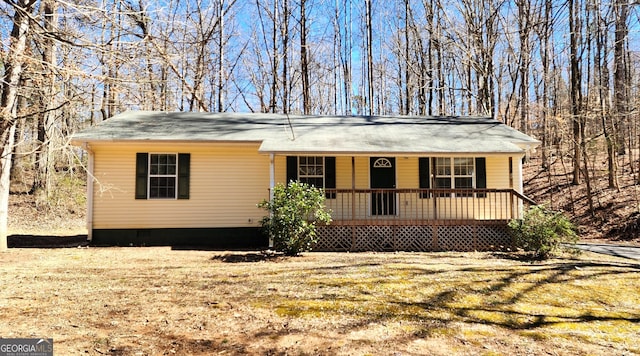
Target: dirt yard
(159,301)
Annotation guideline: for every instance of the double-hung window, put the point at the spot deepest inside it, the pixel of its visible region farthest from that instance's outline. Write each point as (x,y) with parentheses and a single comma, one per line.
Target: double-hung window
(311,170)
(455,173)
(442,178)
(318,171)
(463,170)
(162,175)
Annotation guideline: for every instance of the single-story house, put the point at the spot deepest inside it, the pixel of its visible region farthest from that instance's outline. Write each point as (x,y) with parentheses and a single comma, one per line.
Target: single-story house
(391,182)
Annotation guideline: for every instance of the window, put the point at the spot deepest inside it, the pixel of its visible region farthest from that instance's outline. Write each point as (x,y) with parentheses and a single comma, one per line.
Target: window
(463,173)
(162,175)
(457,173)
(442,173)
(313,170)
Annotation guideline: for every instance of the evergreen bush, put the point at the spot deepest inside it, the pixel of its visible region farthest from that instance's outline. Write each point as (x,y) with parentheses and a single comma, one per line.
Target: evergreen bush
(294,211)
(541,231)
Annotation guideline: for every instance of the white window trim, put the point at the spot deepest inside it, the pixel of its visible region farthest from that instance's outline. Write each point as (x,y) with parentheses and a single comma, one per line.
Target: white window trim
(472,175)
(453,175)
(324,170)
(149,176)
(382,162)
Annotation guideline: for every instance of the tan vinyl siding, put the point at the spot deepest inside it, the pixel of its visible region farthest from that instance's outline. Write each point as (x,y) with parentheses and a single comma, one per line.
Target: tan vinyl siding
(280,163)
(407,175)
(362,173)
(343,173)
(226,183)
(498,172)
(228,180)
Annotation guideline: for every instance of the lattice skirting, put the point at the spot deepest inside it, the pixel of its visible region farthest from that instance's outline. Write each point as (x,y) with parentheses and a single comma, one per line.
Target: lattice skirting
(413,238)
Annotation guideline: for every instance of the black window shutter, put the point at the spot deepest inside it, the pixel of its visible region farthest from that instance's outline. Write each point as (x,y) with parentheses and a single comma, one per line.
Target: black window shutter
(424,171)
(292,168)
(481,175)
(425,174)
(184,169)
(330,172)
(142,167)
(330,176)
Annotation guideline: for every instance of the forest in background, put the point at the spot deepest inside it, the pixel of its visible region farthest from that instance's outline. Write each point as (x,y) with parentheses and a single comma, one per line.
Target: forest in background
(565,72)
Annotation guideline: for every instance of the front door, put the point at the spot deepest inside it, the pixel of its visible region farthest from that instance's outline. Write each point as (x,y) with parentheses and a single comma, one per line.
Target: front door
(383,176)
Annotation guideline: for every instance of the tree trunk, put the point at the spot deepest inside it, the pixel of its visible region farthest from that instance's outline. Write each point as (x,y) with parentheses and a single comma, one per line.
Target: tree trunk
(221,50)
(430,60)
(621,79)
(602,71)
(545,59)
(274,61)
(369,32)
(575,91)
(304,60)
(405,107)
(524,28)
(46,119)
(284,34)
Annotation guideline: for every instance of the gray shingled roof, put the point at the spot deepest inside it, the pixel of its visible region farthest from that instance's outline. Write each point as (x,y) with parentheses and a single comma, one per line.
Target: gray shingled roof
(316,134)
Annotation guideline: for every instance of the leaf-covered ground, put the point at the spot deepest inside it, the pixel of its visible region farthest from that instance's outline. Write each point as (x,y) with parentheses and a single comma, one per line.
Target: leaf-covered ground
(155,301)
(615,216)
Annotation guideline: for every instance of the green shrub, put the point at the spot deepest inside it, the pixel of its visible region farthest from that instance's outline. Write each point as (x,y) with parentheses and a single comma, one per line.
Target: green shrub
(541,231)
(294,211)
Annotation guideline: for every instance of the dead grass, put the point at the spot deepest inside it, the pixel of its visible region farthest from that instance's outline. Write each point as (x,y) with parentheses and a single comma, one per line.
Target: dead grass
(155,301)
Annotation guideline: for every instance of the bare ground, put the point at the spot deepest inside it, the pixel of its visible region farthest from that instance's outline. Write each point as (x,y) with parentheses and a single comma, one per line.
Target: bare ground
(158,301)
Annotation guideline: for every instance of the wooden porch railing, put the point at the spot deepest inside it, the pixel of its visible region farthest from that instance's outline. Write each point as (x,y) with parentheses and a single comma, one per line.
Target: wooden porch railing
(423,206)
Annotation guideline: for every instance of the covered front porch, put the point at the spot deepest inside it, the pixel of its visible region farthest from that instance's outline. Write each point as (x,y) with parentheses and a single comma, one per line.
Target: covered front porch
(414,201)
(419,219)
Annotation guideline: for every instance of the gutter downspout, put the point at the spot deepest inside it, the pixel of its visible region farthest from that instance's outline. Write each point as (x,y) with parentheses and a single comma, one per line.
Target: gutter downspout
(89,192)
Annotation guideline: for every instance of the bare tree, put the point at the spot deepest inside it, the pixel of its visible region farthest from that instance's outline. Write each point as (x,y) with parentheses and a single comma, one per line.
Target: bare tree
(8,116)
(575,85)
(601,70)
(621,78)
(46,119)
(304,60)
(525,27)
(369,62)
(544,33)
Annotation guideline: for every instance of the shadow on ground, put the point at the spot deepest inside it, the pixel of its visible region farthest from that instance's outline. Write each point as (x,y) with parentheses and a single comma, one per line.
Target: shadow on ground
(239,257)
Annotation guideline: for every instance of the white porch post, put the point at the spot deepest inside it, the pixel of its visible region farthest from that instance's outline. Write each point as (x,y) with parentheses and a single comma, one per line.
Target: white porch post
(272,184)
(520,186)
(353,200)
(353,188)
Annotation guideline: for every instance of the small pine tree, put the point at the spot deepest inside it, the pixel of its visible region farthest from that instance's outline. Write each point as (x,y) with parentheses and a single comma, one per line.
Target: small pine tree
(294,211)
(541,231)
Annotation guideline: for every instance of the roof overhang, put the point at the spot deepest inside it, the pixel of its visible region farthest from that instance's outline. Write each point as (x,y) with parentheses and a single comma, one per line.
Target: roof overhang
(315,135)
